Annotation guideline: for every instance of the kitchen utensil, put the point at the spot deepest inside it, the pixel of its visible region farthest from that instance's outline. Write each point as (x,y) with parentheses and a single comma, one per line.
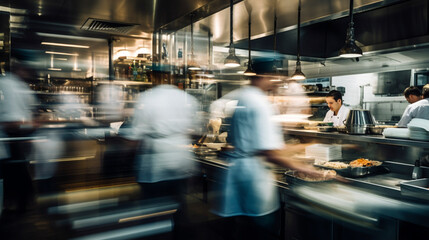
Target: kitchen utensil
(359,121)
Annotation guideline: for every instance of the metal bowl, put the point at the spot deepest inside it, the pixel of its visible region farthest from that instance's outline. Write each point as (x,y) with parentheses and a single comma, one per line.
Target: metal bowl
(376,130)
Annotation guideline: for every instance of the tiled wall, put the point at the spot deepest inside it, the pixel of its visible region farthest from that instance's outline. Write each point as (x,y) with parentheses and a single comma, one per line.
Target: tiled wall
(382,107)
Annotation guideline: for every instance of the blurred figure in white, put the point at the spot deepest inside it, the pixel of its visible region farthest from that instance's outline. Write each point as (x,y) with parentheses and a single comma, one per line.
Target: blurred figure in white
(71,108)
(109,102)
(44,152)
(16,115)
(248,196)
(163,122)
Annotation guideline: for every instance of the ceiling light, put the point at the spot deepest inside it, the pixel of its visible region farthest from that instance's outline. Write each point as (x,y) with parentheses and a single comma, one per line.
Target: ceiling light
(143,51)
(64,45)
(62,53)
(192,64)
(54,69)
(231,60)
(298,75)
(350,50)
(249,71)
(122,54)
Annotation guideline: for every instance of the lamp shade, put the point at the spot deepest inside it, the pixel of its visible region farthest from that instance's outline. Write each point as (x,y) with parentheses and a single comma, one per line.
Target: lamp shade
(232,60)
(298,75)
(350,50)
(249,71)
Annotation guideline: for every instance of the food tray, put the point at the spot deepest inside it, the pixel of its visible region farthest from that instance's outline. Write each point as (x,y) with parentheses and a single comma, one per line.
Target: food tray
(416,188)
(291,178)
(357,171)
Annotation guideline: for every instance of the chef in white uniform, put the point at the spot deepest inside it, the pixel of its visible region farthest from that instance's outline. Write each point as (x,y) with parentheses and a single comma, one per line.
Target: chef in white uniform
(162,119)
(337,113)
(419,109)
(247,190)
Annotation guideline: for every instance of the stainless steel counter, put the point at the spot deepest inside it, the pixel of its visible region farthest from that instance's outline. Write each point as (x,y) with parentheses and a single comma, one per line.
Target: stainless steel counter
(363,200)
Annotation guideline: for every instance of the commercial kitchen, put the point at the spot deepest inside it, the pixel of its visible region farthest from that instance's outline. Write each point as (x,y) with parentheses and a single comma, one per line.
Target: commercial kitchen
(72,73)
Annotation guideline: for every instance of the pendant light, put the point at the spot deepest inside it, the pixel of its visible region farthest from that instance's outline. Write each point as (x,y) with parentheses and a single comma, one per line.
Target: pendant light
(231,60)
(298,75)
(192,64)
(249,71)
(350,49)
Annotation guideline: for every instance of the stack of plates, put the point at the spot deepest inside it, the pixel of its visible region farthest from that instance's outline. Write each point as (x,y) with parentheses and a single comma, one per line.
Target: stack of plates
(397,133)
(323,152)
(419,129)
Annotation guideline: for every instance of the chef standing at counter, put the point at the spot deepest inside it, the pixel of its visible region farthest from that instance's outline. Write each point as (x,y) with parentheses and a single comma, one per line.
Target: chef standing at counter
(419,109)
(248,197)
(338,112)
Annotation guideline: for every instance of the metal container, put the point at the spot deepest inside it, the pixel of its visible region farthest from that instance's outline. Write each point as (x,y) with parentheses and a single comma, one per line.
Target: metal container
(376,130)
(359,121)
(416,188)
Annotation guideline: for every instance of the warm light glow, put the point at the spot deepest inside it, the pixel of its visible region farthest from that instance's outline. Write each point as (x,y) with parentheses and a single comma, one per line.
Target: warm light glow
(143,51)
(62,53)
(64,45)
(298,77)
(54,69)
(231,65)
(276,80)
(123,54)
(194,68)
(351,55)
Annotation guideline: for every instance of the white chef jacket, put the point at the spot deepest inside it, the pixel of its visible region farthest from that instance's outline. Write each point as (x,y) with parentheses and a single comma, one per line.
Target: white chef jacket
(162,120)
(339,119)
(419,109)
(247,186)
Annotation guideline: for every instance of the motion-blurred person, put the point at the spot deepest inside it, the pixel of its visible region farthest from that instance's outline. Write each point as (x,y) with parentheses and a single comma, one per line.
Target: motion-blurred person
(248,196)
(109,102)
(419,109)
(412,94)
(337,113)
(44,150)
(16,115)
(162,122)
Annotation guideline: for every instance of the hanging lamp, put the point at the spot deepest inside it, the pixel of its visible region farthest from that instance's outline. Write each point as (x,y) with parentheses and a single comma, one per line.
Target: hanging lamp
(298,75)
(192,64)
(350,49)
(232,60)
(249,71)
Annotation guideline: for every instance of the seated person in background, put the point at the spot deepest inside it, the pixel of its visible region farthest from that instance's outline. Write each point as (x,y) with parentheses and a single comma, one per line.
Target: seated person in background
(412,94)
(419,109)
(338,112)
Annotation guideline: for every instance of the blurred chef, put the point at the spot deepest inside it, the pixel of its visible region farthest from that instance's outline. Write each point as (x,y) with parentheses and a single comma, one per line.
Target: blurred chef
(163,121)
(412,94)
(338,113)
(248,196)
(419,109)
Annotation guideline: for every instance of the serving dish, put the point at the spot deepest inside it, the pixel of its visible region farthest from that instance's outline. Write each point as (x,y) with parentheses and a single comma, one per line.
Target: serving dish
(355,171)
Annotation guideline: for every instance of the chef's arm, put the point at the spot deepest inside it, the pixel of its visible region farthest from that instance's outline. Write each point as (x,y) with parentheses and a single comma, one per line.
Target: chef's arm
(284,159)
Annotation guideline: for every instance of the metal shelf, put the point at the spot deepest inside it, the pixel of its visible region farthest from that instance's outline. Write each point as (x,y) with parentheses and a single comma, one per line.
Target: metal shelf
(359,138)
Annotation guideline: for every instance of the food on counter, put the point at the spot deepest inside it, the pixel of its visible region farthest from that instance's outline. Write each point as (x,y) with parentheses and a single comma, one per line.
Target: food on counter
(363,162)
(336,165)
(324,176)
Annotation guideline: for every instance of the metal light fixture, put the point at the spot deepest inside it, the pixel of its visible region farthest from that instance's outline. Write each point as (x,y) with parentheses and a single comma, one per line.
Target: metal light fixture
(232,60)
(298,75)
(192,64)
(249,71)
(350,49)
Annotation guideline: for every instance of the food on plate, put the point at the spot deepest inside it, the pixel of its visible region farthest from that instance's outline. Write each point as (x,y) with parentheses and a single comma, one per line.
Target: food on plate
(336,165)
(363,162)
(324,175)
